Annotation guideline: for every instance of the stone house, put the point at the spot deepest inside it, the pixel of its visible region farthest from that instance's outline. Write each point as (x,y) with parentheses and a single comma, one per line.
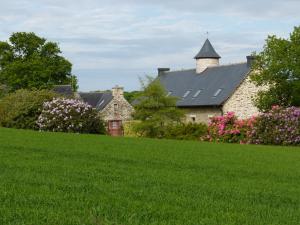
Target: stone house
(211,89)
(113,108)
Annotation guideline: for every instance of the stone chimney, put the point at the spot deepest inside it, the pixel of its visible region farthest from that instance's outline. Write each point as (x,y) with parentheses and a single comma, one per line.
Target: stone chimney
(162,70)
(250,60)
(206,57)
(118,92)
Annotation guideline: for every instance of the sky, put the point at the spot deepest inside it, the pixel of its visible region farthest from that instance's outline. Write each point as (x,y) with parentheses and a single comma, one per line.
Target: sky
(114,42)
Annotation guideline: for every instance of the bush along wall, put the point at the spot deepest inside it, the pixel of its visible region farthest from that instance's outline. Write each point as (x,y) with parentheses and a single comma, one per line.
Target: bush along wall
(21,109)
(190,131)
(70,115)
(277,127)
(229,129)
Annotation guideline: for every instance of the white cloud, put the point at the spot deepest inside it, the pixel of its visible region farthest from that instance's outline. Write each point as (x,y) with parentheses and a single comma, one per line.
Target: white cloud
(132,35)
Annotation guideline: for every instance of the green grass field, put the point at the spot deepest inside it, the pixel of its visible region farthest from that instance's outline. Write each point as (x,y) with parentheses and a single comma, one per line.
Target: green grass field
(51,178)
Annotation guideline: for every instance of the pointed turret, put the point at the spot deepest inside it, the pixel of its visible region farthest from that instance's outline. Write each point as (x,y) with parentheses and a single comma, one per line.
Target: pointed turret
(206,57)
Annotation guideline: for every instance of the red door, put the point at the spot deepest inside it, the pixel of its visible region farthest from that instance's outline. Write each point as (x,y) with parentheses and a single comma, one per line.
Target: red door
(115,128)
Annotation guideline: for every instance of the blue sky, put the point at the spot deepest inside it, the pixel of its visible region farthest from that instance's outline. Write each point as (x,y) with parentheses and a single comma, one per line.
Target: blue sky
(112,42)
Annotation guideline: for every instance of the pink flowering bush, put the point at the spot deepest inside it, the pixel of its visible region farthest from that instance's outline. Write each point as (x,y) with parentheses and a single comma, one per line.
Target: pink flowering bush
(278,127)
(69,115)
(229,129)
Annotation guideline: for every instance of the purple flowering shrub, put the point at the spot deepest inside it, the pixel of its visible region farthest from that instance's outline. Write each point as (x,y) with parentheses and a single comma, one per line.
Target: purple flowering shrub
(278,127)
(69,115)
(229,129)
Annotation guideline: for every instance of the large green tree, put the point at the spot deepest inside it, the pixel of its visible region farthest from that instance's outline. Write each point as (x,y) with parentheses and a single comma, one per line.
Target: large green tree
(30,62)
(155,110)
(278,68)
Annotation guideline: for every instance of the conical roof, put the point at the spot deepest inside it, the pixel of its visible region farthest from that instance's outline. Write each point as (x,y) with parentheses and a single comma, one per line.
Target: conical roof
(207,52)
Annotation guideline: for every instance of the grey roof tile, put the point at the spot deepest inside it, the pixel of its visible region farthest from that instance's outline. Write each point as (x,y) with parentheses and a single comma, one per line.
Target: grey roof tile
(207,51)
(97,100)
(227,78)
(63,90)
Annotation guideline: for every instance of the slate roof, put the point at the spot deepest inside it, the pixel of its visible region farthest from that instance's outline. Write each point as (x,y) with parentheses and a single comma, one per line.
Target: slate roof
(63,90)
(97,100)
(207,51)
(223,79)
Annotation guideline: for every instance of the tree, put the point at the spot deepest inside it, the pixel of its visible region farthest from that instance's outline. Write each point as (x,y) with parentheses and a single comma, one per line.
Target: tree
(3,90)
(155,110)
(278,68)
(30,62)
(22,108)
(131,96)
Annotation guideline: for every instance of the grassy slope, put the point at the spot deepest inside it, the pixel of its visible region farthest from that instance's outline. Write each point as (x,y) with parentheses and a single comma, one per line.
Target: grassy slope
(79,179)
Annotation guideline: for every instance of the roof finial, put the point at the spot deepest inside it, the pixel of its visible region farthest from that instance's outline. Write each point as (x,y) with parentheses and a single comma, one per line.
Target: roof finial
(207,34)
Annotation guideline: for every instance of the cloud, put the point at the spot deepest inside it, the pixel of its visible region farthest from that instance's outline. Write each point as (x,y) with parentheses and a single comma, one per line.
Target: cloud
(118,40)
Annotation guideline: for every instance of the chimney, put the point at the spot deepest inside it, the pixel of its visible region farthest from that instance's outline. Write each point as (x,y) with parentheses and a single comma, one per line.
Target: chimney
(161,71)
(117,92)
(250,60)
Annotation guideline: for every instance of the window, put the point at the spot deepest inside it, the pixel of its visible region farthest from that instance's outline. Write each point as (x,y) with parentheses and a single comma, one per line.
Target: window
(115,107)
(115,124)
(193,118)
(101,102)
(197,93)
(186,94)
(218,92)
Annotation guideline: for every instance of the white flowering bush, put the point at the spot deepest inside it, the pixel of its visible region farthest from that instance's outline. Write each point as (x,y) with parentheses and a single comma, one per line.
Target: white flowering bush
(69,115)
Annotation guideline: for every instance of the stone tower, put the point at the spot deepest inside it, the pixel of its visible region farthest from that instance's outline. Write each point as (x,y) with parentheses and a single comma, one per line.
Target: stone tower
(206,57)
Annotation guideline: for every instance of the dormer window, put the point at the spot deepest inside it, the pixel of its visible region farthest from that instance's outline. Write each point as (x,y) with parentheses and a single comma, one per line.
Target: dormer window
(197,93)
(218,92)
(169,93)
(116,106)
(101,102)
(186,94)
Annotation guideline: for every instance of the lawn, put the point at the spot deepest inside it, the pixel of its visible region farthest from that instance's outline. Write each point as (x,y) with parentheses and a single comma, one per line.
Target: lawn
(52,178)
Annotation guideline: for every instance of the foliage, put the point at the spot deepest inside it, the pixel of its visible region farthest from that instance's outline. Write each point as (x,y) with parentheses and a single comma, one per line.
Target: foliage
(74,83)
(229,129)
(190,131)
(74,179)
(69,115)
(278,127)
(3,91)
(129,130)
(278,68)
(131,96)
(22,108)
(155,110)
(28,61)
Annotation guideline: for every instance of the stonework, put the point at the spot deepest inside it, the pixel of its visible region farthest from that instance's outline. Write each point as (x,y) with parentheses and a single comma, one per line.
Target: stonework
(202,64)
(241,102)
(201,114)
(118,108)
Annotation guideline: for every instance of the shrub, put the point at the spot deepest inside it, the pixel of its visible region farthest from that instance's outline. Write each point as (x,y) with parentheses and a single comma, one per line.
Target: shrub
(3,90)
(229,129)
(22,108)
(129,128)
(69,115)
(279,127)
(190,131)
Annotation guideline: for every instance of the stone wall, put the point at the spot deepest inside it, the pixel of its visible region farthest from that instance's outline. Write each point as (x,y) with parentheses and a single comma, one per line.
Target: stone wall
(117,109)
(201,114)
(202,64)
(241,102)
